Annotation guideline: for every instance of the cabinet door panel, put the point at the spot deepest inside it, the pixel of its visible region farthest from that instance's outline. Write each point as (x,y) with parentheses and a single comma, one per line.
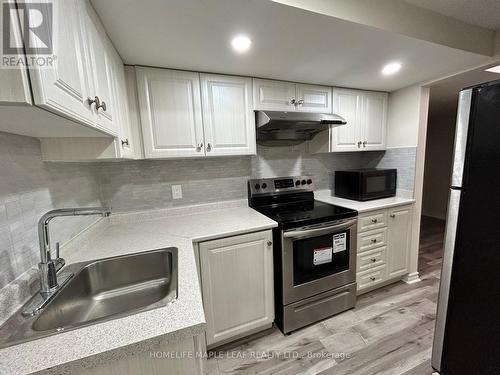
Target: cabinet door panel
(99,58)
(237,283)
(63,88)
(398,240)
(374,121)
(273,95)
(346,137)
(170,107)
(314,98)
(228,117)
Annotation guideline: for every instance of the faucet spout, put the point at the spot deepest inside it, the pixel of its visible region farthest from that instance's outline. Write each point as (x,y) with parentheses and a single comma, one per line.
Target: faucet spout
(48,268)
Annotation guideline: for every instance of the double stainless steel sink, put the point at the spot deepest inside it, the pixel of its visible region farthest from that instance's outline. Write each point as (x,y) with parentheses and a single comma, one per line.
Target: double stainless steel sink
(101,290)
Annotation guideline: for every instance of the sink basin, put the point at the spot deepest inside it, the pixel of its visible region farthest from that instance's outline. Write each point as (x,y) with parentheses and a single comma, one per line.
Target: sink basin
(102,290)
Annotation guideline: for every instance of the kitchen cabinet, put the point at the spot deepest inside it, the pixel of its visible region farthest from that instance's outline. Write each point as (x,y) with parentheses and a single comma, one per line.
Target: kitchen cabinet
(176,124)
(228,117)
(288,96)
(366,116)
(383,246)
(237,285)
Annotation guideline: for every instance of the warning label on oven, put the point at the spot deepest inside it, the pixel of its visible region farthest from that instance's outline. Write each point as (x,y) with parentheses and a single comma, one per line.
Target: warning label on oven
(339,242)
(322,256)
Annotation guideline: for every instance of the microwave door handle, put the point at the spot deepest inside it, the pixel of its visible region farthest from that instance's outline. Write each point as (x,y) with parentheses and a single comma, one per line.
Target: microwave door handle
(297,234)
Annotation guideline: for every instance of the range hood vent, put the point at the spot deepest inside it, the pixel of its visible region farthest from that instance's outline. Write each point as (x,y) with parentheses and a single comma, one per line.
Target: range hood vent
(285,128)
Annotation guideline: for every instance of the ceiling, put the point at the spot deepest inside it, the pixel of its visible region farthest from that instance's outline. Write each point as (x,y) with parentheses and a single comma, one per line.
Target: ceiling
(444,93)
(484,13)
(288,43)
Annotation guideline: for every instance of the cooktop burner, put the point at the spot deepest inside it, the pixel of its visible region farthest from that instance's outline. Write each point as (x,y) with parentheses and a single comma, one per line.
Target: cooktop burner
(290,202)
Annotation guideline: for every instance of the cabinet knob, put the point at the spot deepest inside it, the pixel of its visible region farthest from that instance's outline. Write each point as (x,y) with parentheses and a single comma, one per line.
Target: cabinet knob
(392,215)
(300,102)
(269,243)
(364,143)
(293,102)
(359,144)
(101,105)
(95,101)
(373,260)
(199,147)
(372,278)
(125,142)
(374,221)
(209,147)
(374,240)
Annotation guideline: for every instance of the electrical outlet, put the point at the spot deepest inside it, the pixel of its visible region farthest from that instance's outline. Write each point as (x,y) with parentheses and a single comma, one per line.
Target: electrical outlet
(177,191)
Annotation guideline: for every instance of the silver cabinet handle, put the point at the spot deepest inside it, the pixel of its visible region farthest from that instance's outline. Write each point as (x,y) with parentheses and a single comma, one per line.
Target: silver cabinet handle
(95,101)
(269,243)
(125,142)
(359,144)
(199,147)
(293,102)
(392,215)
(209,147)
(364,143)
(373,260)
(374,221)
(374,240)
(372,278)
(102,106)
(300,102)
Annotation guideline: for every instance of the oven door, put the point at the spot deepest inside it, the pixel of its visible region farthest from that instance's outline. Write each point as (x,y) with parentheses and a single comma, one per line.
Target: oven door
(318,258)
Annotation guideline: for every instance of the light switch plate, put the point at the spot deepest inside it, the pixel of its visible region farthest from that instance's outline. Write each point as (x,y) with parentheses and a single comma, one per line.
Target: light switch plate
(177,191)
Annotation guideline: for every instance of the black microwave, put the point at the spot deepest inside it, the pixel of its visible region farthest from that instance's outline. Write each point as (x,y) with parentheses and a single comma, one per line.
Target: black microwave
(365,184)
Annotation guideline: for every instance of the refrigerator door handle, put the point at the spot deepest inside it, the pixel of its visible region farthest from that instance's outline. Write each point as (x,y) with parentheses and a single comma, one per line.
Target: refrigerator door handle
(444,288)
(463,113)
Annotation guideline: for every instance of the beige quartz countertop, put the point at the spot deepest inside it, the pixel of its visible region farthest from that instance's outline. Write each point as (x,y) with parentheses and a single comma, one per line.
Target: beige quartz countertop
(377,204)
(131,233)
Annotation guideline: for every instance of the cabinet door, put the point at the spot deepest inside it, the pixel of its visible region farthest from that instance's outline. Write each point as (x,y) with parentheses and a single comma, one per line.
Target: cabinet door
(228,117)
(170,107)
(237,283)
(314,98)
(347,103)
(398,240)
(63,87)
(273,95)
(99,58)
(374,121)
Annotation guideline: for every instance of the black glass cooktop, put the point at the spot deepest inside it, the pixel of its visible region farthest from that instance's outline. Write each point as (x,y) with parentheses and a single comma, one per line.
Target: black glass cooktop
(305,213)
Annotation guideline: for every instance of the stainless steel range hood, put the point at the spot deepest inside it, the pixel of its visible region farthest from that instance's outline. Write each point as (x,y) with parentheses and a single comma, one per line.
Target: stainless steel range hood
(283,128)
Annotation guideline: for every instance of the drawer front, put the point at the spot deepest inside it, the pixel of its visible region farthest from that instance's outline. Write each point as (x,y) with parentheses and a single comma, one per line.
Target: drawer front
(372,220)
(371,259)
(372,277)
(371,240)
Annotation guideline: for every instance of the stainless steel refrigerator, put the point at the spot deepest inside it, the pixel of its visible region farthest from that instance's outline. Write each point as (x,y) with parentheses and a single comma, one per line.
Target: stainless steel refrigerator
(467,334)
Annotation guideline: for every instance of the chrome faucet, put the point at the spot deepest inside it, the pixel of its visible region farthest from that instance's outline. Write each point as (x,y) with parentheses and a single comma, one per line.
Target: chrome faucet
(48,267)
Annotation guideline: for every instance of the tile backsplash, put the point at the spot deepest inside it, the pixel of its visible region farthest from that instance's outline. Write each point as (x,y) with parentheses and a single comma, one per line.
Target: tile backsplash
(29,187)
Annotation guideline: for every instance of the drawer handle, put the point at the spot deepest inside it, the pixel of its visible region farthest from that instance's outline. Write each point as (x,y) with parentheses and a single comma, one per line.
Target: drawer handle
(393,215)
(372,278)
(374,240)
(373,260)
(374,221)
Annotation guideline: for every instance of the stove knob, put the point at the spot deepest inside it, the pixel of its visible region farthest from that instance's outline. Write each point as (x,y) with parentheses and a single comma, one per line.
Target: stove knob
(264,185)
(309,182)
(303,182)
(297,183)
(257,186)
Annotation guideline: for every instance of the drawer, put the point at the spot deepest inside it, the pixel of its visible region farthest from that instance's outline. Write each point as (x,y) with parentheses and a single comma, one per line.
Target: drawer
(371,240)
(371,259)
(372,220)
(371,277)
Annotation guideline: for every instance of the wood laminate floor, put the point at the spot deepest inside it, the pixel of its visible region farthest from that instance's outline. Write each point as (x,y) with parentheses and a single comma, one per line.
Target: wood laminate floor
(389,332)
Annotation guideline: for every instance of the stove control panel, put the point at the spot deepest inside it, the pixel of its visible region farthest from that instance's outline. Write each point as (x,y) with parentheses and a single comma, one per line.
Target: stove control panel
(280,185)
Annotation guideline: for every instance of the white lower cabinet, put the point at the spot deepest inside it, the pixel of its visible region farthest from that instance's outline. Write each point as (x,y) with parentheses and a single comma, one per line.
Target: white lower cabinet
(237,284)
(383,246)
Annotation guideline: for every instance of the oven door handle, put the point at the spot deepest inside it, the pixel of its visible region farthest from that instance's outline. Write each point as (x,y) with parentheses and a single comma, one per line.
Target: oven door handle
(318,231)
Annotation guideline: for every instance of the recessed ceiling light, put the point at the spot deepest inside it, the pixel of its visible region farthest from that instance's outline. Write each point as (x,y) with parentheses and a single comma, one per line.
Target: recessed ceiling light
(241,43)
(391,68)
(494,69)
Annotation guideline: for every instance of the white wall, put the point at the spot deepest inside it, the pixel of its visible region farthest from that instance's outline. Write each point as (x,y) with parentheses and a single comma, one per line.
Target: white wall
(403,117)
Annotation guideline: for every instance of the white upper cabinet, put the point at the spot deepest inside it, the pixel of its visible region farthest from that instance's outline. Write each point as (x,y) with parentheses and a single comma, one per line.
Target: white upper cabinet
(273,95)
(366,116)
(228,117)
(311,98)
(373,126)
(63,88)
(99,57)
(170,107)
